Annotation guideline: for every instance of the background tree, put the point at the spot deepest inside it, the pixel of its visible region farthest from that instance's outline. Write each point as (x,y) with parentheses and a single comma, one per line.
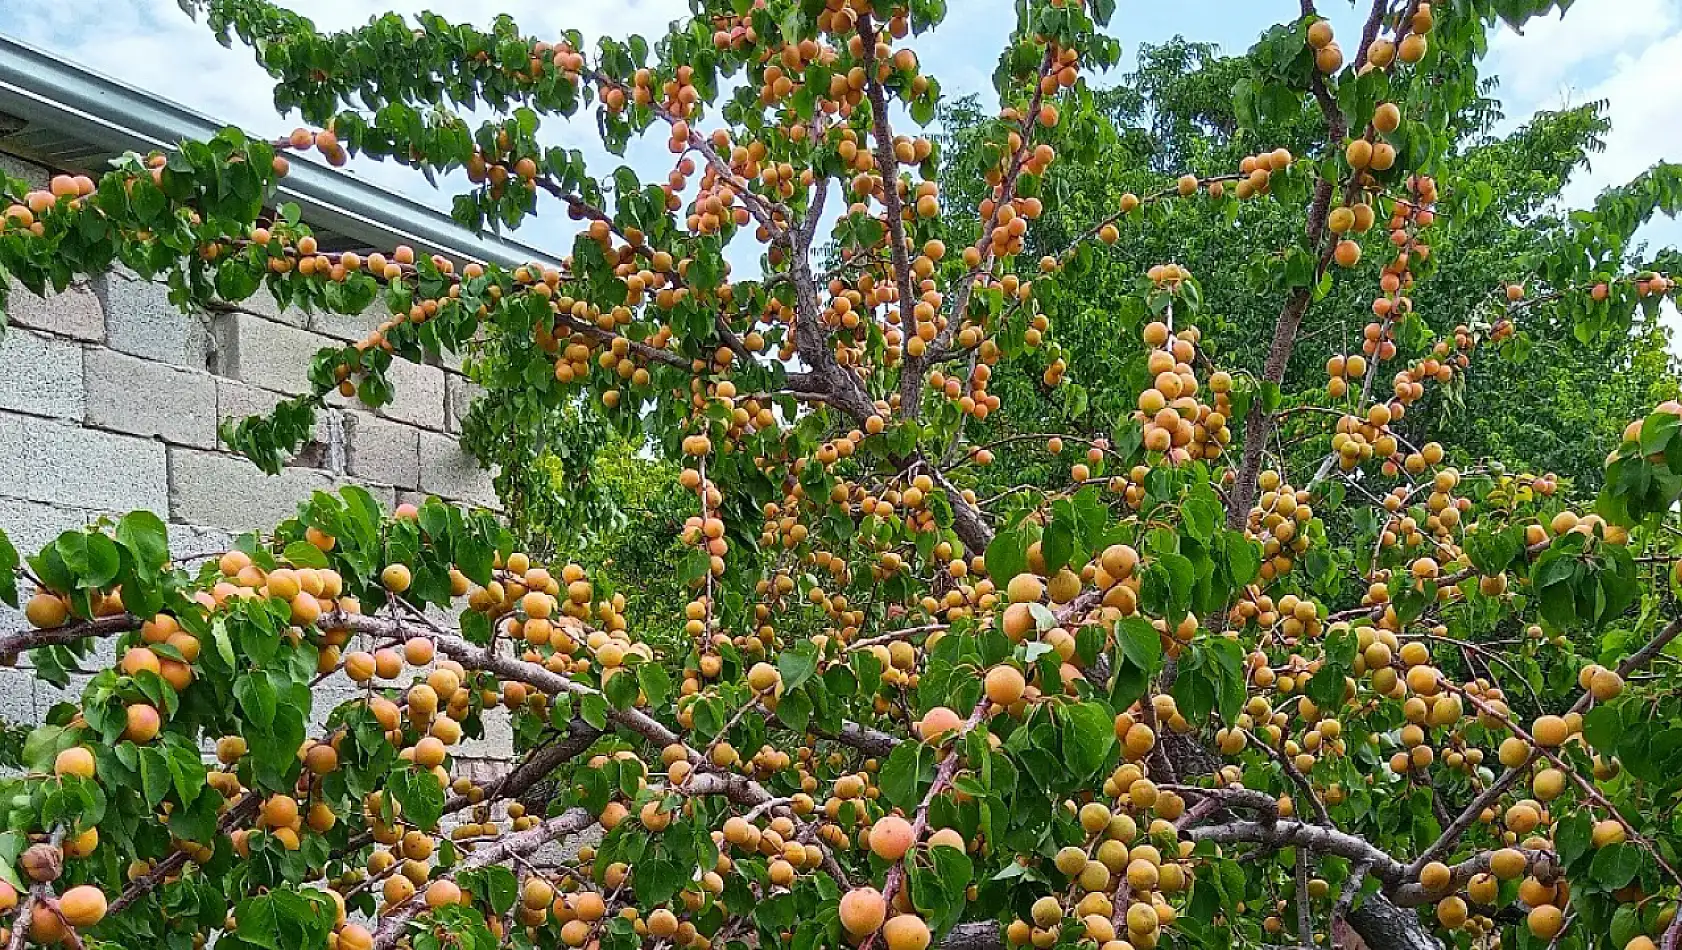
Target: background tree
(1553,402)
(1217,684)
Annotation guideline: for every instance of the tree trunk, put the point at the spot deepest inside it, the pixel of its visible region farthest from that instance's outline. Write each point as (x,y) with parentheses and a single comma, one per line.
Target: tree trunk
(1382,925)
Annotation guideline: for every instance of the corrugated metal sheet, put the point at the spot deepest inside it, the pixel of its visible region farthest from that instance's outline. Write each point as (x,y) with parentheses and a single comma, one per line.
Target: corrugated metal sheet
(59,114)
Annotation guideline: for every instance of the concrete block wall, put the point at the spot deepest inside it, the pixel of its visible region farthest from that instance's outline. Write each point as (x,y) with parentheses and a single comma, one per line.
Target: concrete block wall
(110,399)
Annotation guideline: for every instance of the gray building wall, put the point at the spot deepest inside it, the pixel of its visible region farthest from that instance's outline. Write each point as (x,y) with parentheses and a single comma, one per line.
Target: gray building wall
(110,399)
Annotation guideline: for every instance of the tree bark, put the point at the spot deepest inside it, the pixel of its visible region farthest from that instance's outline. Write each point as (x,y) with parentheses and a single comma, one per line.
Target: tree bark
(1382,925)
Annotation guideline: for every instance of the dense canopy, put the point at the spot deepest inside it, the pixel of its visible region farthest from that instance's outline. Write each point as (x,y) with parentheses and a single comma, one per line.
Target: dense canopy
(1135,517)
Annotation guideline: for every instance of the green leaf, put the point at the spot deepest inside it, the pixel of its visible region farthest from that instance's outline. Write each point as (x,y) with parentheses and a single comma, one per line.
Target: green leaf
(908,770)
(91,556)
(1088,737)
(1201,513)
(154,774)
(501,889)
(797,664)
(418,792)
(8,571)
(1615,865)
(1140,643)
(656,683)
(593,709)
(305,554)
(621,690)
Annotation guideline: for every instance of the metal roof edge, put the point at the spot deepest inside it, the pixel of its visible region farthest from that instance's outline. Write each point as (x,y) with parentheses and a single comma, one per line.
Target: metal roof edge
(44,89)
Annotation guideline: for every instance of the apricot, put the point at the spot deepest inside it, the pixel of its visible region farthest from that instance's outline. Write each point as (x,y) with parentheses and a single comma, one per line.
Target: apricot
(862,911)
(143,723)
(1545,920)
(82,906)
(937,722)
(1005,685)
(891,837)
(396,578)
(1550,731)
(76,760)
(906,932)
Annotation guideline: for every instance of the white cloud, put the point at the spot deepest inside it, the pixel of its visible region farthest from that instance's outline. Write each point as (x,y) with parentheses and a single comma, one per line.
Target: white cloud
(1625,52)
(1557,50)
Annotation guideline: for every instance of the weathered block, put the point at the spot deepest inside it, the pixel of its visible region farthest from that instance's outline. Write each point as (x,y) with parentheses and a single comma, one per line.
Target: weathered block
(419,396)
(225,491)
(265,353)
(140,320)
(448,471)
(191,540)
(349,327)
(41,375)
(74,312)
(236,401)
(74,467)
(382,451)
(142,397)
(17,697)
(263,304)
(459,395)
(31,526)
(33,174)
(496,743)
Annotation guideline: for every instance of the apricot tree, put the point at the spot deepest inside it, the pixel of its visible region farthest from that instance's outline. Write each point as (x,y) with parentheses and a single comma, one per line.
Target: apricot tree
(1188,694)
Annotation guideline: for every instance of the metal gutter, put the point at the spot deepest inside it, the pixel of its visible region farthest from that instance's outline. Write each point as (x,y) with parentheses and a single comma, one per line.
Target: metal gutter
(89,117)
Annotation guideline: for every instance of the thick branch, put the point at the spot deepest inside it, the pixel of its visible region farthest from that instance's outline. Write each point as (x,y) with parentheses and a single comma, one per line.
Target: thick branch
(518,844)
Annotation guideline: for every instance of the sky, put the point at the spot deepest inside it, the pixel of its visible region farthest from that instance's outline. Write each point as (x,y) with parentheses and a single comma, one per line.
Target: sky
(1623,51)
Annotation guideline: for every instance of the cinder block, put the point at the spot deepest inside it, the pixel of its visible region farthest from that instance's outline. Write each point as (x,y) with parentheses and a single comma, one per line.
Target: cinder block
(41,375)
(34,175)
(497,742)
(328,695)
(191,541)
(349,327)
(215,490)
(73,312)
(265,353)
(224,491)
(382,451)
(140,320)
(419,398)
(31,526)
(47,696)
(128,394)
(263,304)
(17,697)
(448,471)
(73,467)
(236,401)
(459,395)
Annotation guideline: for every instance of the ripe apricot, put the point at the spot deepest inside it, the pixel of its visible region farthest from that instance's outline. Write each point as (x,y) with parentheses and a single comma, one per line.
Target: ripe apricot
(1550,731)
(82,906)
(1546,920)
(862,911)
(76,760)
(1005,685)
(906,932)
(891,837)
(1025,588)
(937,722)
(143,723)
(396,578)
